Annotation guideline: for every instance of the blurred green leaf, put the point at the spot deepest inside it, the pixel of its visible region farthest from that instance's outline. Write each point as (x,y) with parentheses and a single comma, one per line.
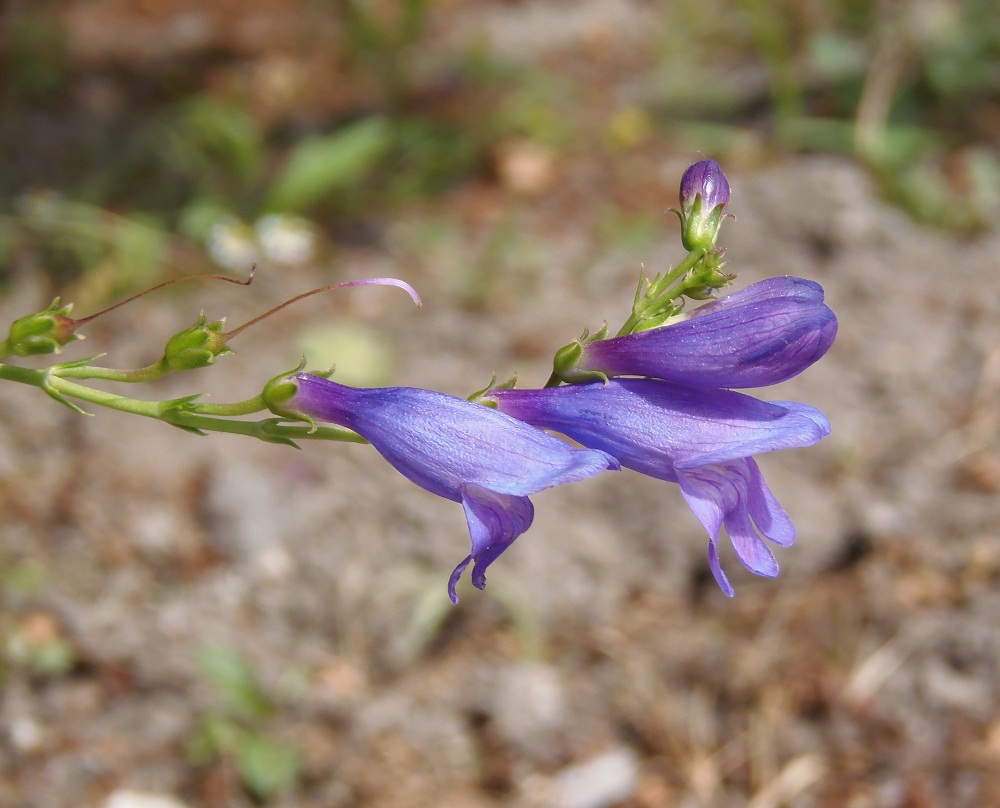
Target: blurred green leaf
(266,766)
(202,214)
(318,166)
(214,736)
(208,134)
(235,682)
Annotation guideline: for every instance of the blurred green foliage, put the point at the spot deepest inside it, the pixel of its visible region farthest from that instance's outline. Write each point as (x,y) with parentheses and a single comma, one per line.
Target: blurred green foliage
(238,729)
(910,89)
(179,145)
(321,164)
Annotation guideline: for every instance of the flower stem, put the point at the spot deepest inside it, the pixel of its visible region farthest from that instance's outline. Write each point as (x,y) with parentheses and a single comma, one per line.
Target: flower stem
(147,374)
(660,292)
(184,413)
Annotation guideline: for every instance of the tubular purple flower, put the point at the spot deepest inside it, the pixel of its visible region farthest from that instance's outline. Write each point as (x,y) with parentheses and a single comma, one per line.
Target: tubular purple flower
(761,335)
(702,439)
(465,452)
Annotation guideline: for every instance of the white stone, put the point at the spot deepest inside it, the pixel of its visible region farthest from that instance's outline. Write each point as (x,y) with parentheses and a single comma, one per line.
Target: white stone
(124,798)
(599,782)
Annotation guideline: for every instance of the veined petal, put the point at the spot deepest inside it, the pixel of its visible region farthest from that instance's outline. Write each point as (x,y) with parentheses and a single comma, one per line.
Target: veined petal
(495,520)
(765,334)
(441,442)
(771,519)
(782,286)
(656,427)
(736,495)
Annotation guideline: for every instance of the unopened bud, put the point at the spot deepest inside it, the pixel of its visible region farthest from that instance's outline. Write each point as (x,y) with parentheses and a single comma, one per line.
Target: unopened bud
(197,346)
(45,332)
(704,195)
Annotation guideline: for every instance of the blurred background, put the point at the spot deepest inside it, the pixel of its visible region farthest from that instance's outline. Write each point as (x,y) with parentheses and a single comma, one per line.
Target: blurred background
(213,622)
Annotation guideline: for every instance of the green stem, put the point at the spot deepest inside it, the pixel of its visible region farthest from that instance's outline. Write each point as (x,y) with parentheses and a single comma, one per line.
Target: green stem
(185,414)
(660,291)
(690,262)
(147,374)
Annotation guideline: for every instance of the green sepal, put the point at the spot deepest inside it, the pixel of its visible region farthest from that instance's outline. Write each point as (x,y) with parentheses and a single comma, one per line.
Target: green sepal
(578,376)
(699,229)
(178,406)
(566,358)
(55,394)
(44,332)
(192,429)
(197,346)
(564,365)
(282,389)
(479,396)
(76,363)
(268,437)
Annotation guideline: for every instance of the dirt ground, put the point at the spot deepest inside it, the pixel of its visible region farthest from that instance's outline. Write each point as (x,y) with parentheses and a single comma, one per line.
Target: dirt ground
(601,666)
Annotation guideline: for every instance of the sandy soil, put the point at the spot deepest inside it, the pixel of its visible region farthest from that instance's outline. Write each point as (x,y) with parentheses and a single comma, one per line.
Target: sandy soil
(865,675)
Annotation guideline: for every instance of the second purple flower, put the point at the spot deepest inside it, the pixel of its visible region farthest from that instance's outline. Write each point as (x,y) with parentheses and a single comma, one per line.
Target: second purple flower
(702,439)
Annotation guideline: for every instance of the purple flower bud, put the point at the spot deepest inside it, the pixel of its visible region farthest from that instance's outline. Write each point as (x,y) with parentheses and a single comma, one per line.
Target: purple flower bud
(704,194)
(706,179)
(465,452)
(702,439)
(759,336)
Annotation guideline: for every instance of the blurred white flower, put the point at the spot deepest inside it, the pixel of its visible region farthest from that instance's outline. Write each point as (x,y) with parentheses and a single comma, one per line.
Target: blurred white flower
(231,244)
(286,239)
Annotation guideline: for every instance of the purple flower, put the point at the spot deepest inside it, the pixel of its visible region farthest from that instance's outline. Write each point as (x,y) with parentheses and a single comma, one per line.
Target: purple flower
(704,194)
(465,452)
(759,336)
(701,438)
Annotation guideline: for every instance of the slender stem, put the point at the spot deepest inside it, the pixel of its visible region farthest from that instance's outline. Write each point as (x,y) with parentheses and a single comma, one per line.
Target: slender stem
(369,282)
(660,291)
(248,407)
(147,374)
(690,261)
(184,414)
(171,282)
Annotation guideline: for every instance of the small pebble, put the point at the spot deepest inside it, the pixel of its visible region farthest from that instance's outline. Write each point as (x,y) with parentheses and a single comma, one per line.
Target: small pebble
(138,799)
(599,782)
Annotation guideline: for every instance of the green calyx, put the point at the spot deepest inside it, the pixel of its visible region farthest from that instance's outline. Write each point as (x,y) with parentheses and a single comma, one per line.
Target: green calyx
(195,347)
(700,228)
(44,332)
(565,365)
(279,391)
(483,396)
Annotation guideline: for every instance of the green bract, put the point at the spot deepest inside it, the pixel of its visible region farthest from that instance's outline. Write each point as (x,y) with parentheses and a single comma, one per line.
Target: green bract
(196,347)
